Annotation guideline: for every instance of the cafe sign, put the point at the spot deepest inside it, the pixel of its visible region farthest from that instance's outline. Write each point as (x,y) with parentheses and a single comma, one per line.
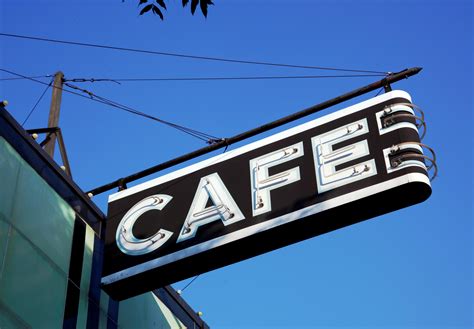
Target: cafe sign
(337,170)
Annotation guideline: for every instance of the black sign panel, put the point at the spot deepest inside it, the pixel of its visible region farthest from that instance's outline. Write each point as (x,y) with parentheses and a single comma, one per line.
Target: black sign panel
(334,171)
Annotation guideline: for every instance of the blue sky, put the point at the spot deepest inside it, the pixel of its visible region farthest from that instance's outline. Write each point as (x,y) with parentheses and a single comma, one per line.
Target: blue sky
(409,269)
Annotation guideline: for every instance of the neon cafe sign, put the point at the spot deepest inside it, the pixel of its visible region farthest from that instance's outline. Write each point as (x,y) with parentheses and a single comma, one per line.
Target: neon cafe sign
(348,166)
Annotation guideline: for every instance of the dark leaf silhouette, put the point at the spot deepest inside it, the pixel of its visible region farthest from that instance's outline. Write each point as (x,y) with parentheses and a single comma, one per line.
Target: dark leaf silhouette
(146,9)
(158,12)
(161,3)
(204,4)
(194,4)
(203,7)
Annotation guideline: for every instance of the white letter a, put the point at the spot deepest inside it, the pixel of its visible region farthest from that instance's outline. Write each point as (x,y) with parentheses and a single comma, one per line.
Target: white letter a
(212,190)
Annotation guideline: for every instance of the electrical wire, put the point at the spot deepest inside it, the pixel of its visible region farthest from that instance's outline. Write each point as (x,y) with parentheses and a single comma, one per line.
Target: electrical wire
(200,135)
(224,78)
(378,92)
(35,77)
(37,102)
(188,56)
(189,283)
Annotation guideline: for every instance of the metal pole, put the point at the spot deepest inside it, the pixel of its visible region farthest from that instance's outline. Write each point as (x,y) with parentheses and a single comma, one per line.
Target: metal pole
(385,82)
(54,109)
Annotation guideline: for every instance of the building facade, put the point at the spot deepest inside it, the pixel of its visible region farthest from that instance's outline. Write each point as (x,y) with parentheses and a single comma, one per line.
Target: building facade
(51,248)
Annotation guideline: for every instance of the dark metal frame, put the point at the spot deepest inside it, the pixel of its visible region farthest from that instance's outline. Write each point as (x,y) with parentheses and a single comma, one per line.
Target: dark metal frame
(49,170)
(50,134)
(179,306)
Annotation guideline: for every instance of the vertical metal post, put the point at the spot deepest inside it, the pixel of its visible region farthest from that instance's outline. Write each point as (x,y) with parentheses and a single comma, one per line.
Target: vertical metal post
(53,119)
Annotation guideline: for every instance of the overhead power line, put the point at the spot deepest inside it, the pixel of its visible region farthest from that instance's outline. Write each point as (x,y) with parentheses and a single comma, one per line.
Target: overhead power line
(37,102)
(189,283)
(188,56)
(210,139)
(385,82)
(118,80)
(25,78)
(378,92)
(195,133)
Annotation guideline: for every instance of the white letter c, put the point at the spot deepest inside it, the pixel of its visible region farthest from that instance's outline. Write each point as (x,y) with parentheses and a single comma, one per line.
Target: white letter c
(131,245)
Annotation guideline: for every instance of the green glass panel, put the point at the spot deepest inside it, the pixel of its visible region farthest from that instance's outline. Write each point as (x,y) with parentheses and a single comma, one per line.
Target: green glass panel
(146,311)
(9,169)
(104,301)
(172,320)
(85,278)
(32,286)
(41,215)
(10,320)
(82,314)
(104,307)
(4,232)
(103,320)
(87,258)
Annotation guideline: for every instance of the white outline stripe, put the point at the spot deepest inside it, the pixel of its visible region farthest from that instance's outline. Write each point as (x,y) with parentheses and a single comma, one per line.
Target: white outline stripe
(268,140)
(248,231)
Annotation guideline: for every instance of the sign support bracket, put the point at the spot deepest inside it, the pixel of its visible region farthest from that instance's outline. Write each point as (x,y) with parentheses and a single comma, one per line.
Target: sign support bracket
(385,83)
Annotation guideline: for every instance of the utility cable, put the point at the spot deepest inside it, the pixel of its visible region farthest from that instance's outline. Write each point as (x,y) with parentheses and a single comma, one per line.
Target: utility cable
(190,282)
(189,56)
(37,102)
(386,81)
(200,135)
(35,77)
(225,78)
(380,90)
(91,80)
(203,136)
